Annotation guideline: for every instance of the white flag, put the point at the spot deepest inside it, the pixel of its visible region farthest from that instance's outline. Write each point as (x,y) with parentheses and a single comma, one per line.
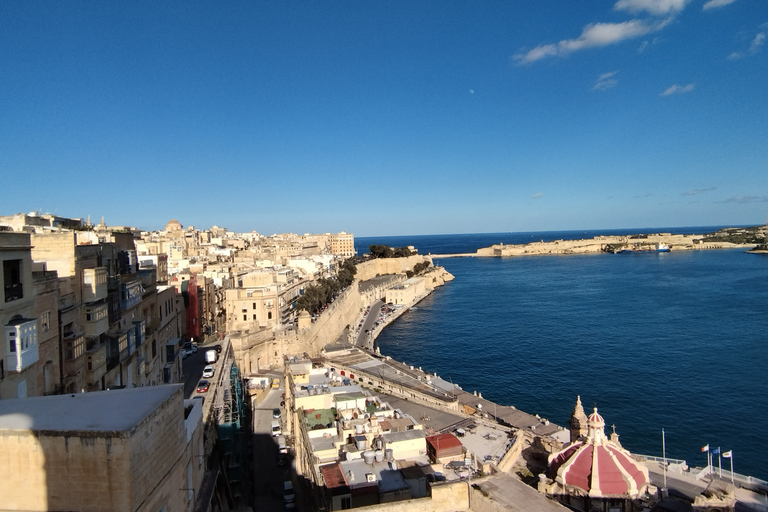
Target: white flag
(728,454)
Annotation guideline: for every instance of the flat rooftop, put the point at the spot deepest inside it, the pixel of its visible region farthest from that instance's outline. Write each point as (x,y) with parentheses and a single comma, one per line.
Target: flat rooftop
(118,410)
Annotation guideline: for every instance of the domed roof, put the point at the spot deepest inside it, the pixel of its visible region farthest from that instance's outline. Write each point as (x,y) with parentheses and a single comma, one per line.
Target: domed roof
(598,466)
(595,421)
(173,225)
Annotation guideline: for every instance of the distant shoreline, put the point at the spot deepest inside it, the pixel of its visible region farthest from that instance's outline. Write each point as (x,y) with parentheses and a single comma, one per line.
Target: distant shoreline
(606,243)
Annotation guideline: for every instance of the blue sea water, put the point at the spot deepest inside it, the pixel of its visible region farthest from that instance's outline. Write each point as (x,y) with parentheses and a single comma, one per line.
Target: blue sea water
(670,340)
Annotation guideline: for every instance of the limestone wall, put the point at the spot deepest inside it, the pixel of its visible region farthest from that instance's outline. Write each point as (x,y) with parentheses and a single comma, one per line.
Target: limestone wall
(58,472)
(97,471)
(383,266)
(447,497)
(157,444)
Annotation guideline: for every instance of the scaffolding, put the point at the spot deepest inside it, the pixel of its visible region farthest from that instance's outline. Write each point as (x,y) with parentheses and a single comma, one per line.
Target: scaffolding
(230,407)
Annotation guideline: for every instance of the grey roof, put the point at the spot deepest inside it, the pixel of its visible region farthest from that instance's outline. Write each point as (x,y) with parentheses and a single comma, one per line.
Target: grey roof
(118,410)
(387,478)
(393,437)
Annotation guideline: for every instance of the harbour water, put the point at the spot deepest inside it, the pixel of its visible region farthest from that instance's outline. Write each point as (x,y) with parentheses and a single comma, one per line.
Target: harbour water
(672,340)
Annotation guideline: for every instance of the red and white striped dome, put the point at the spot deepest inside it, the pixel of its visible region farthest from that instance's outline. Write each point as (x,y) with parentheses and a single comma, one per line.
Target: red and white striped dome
(599,466)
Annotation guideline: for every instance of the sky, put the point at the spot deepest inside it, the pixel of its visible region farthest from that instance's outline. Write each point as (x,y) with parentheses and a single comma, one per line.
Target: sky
(386,117)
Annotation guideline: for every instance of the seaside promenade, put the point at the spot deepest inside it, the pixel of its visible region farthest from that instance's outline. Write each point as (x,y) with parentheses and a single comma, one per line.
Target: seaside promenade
(454,407)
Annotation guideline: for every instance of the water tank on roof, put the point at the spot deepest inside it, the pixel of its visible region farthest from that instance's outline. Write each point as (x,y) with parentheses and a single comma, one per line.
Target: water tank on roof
(359,429)
(369,457)
(389,454)
(379,456)
(360,442)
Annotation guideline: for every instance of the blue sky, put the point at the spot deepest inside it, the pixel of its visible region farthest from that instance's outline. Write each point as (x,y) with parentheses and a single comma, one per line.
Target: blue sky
(387,117)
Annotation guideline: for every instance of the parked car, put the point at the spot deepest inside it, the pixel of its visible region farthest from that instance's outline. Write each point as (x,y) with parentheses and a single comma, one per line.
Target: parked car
(190,347)
(275,412)
(288,495)
(185,353)
(217,348)
(199,397)
(208,371)
(275,383)
(203,386)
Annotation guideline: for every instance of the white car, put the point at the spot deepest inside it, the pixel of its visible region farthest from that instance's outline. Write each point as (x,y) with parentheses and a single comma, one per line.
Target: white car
(208,371)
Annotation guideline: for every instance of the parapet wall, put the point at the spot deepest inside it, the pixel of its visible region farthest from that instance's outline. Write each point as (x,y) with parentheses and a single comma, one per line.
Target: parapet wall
(446,497)
(383,266)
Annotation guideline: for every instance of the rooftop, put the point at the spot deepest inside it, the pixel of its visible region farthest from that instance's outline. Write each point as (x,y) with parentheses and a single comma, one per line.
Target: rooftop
(117,410)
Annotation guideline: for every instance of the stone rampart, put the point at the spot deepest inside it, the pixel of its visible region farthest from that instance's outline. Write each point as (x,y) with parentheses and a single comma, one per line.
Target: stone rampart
(382,266)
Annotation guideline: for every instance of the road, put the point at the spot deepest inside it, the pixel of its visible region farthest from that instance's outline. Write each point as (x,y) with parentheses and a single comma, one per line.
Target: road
(268,477)
(363,338)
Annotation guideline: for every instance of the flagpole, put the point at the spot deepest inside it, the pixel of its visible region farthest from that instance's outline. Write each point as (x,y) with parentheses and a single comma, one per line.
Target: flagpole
(719,462)
(731,457)
(664,453)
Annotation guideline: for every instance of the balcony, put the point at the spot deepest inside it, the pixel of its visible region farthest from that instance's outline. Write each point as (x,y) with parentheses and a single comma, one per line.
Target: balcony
(140,329)
(94,284)
(130,294)
(96,320)
(21,340)
(74,351)
(13,291)
(95,364)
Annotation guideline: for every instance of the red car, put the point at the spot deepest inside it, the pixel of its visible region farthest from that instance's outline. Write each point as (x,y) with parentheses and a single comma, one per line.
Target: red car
(203,386)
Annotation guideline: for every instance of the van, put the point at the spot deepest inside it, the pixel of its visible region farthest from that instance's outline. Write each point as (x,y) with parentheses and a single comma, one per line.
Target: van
(211,356)
(276,430)
(281,446)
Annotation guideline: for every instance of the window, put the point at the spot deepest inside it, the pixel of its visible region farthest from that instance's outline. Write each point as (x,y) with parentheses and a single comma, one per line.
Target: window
(245,317)
(254,305)
(254,317)
(12,280)
(45,321)
(269,315)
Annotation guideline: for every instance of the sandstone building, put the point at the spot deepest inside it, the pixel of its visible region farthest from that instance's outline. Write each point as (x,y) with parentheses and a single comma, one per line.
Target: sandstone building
(125,450)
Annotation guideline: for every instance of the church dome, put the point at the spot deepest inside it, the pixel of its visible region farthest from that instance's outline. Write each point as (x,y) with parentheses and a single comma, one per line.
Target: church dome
(598,466)
(173,225)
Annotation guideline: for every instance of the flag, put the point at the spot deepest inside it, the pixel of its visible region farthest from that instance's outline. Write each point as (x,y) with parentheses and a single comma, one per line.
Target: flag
(716,450)
(705,448)
(728,454)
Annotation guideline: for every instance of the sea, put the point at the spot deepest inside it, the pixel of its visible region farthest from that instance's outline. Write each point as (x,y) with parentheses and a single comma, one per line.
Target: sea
(672,341)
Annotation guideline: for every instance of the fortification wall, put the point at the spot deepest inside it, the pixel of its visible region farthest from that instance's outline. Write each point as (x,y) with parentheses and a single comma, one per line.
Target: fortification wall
(383,266)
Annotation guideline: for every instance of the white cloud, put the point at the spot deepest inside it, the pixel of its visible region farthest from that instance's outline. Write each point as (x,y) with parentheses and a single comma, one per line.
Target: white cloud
(678,89)
(747,199)
(537,195)
(594,35)
(757,42)
(717,3)
(696,192)
(655,7)
(605,81)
